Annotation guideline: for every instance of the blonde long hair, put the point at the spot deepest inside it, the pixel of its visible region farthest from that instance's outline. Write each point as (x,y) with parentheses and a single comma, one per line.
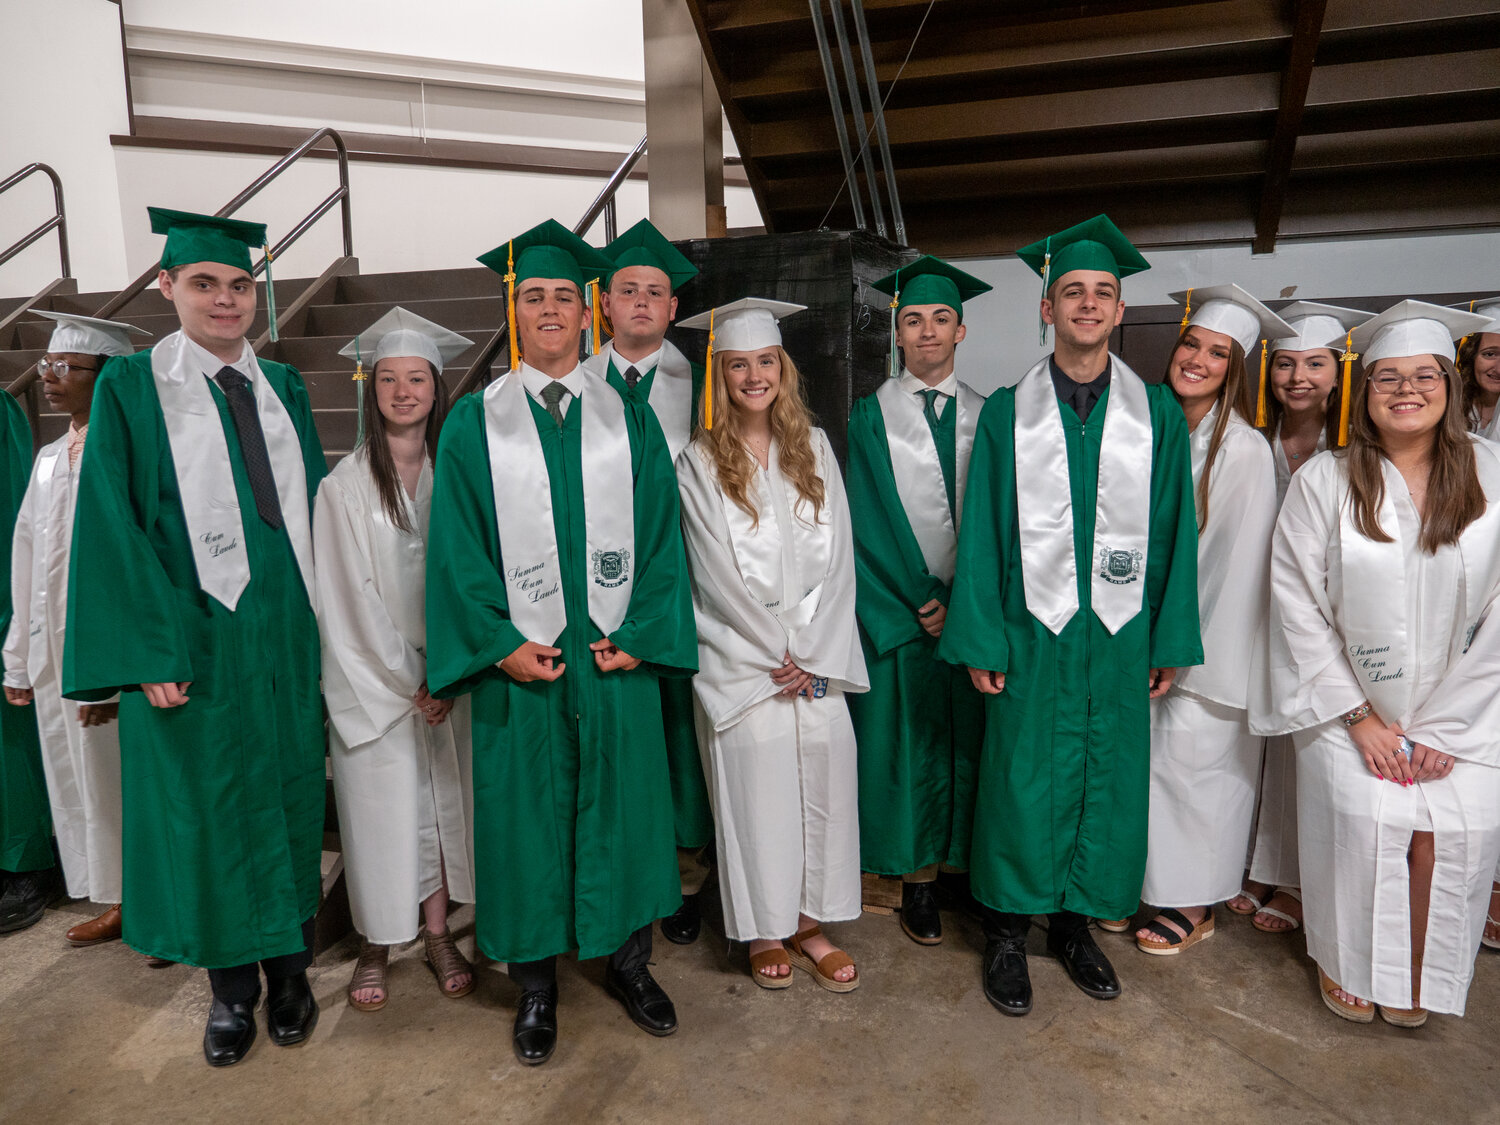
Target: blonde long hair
(1233,397)
(791,426)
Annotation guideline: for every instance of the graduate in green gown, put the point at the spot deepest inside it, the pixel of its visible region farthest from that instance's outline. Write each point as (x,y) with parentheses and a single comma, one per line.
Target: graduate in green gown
(27,864)
(189,594)
(920,725)
(639,298)
(1075,601)
(557,594)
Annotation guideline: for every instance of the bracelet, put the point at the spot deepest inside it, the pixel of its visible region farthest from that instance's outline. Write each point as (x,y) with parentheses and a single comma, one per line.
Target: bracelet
(1354,716)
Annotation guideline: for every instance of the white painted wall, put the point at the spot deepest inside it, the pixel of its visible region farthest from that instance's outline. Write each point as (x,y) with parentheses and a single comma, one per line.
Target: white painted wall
(1002,340)
(63,89)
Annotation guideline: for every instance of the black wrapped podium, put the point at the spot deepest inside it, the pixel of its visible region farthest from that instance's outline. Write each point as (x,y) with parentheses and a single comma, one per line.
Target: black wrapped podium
(840,342)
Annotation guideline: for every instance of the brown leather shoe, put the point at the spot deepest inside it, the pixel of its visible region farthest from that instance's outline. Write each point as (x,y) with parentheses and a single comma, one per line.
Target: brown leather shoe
(104,928)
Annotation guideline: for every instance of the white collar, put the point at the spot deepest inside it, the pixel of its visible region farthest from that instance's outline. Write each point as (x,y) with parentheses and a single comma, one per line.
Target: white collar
(644,366)
(536,381)
(912,385)
(212,364)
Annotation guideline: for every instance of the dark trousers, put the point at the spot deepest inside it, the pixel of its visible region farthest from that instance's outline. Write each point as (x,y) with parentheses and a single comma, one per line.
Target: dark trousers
(240,984)
(1060,926)
(540,976)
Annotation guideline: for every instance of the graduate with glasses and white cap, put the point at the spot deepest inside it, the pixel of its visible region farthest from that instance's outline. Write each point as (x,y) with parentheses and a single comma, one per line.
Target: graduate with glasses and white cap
(1075,601)
(194,600)
(920,726)
(1205,763)
(1301,419)
(1384,653)
(1478,363)
(772,554)
(557,593)
(80,742)
(401,759)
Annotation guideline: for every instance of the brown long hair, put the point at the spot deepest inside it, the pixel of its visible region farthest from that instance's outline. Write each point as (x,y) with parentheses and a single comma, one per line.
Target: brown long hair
(1455,498)
(791,426)
(378,447)
(1234,396)
(1275,411)
(1467,353)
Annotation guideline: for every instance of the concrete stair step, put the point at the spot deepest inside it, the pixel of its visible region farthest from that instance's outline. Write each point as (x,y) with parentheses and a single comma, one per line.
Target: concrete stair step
(345,320)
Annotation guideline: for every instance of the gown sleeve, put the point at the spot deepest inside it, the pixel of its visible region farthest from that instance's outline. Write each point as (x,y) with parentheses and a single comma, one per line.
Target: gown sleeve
(892,578)
(17,653)
(1172,556)
(370,671)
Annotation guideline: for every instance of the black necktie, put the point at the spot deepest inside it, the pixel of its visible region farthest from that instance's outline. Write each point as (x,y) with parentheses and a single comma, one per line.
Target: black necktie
(252,444)
(632,377)
(1083,400)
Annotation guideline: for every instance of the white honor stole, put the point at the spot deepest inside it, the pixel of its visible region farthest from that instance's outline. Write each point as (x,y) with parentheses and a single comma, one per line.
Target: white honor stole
(1377,640)
(919,473)
(205,478)
(1122,520)
(671,395)
(523,507)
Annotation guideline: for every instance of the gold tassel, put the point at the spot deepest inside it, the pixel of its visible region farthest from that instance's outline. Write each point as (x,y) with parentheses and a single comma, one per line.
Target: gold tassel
(510,304)
(1187,312)
(1465,339)
(1348,359)
(708,377)
(1260,398)
(890,359)
(598,315)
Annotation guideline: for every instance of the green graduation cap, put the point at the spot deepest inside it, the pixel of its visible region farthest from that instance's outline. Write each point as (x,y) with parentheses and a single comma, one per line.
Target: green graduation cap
(205,238)
(548,249)
(644,245)
(1094,244)
(932,281)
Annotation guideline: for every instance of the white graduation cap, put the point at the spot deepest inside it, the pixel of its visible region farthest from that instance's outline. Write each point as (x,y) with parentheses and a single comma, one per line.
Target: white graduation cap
(1318,326)
(746,325)
(1415,328)
(401,332)
(1232,311)
(1484,306)
(88,335)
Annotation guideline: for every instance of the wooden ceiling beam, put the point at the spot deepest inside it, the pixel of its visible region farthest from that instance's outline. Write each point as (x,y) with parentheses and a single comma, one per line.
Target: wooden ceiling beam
(1307,26)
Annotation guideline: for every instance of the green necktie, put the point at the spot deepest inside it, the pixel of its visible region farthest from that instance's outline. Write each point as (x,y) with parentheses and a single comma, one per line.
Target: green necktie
(944,436)
(929,405)
(552,395)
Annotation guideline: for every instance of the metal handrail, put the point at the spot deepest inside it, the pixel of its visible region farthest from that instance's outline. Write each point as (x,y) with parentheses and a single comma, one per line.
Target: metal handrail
(339,195)
(58,221)
(604,203)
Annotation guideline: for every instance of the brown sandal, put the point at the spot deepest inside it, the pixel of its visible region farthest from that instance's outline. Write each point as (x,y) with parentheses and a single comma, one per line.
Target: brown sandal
(369,972)
(1344,1009)
(447,963)
(765,959)
(822,971)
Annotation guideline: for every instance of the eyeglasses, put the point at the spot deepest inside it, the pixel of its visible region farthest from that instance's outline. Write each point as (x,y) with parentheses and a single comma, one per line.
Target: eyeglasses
(58,367)
(1422,382)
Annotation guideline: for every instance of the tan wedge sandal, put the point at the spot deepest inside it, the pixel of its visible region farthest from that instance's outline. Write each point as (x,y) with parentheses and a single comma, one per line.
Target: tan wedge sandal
(822,971)
(765,959)
(447,963)
(369,972)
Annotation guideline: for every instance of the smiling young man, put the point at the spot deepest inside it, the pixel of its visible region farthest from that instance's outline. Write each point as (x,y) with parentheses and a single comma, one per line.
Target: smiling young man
(80,744)
(557,594)
(920,726)
(189,594)
(640,299)
(1075,601)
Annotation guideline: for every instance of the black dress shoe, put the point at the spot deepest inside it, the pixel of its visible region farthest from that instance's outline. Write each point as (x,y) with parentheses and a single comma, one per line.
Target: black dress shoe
(1086,963)
(291,1010)
(25,900)
(535,1035)
(1007,982)
(919,913)
(646,1003)
(230,1031)
(683,926)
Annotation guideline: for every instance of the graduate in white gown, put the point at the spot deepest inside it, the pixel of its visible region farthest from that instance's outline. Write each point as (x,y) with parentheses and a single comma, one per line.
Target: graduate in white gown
(1301,420)
(772,557)
(1205,763)
(401,759)
(1385,668)
(80,741)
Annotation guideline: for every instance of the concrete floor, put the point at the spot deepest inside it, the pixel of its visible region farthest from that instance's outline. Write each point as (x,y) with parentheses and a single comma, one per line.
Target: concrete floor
(1231,1030)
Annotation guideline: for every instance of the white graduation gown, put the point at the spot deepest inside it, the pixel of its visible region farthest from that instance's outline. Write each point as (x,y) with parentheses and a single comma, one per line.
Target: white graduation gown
(1205,763)
(780,771)
(81,764)
(1355,829)
(403,788)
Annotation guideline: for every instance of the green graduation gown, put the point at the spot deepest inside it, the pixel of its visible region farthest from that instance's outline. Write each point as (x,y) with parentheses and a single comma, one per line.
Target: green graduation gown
(694,818)
(573,838)
(920,725)
(25,816)
(223,796)
(1060,811)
